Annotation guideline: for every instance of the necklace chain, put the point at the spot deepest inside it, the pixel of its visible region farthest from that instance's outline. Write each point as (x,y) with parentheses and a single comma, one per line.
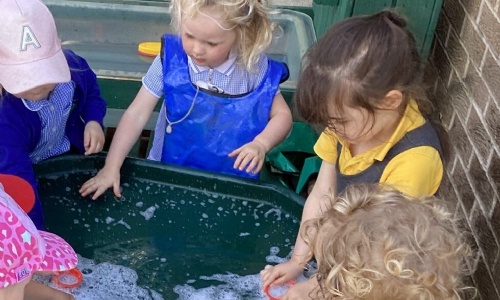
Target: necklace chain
(170,124)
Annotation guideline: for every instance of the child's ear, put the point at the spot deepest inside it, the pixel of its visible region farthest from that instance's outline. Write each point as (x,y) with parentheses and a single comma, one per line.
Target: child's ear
(392,100)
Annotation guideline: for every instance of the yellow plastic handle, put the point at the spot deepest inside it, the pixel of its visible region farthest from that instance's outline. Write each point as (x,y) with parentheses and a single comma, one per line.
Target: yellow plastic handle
(149,48)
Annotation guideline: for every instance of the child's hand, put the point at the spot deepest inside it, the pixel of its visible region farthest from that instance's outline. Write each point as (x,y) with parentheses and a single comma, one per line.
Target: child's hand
(93,138)
(251,156)
(280,274)
(35,290)
(105,179)
(301,290)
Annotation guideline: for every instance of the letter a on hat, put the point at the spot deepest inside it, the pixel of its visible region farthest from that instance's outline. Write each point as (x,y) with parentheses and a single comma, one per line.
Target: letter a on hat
(28,38)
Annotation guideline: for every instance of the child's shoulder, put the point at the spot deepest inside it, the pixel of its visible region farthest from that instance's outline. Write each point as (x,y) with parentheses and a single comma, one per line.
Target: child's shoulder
(75,61)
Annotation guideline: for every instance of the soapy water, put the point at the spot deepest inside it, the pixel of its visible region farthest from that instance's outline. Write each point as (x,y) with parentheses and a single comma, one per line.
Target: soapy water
(230,287)
(116,282)
(104,281)
(180,242)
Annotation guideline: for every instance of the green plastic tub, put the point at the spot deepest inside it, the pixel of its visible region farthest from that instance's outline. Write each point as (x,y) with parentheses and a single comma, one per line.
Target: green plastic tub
(172,224)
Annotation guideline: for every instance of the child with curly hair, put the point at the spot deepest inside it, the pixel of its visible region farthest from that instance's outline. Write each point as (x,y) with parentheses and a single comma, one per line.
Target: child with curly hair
(378,243)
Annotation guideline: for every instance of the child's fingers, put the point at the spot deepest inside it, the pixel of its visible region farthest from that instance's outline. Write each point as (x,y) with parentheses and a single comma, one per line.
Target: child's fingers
(259,166)
(264,274)
(239,160)
(273,277)
(116,189)
(245,161)
(100,190)
(252,165)
(95,146)
(86,139)
(89,149)
(235,152)
(92,186)
(99,146)
(84,189)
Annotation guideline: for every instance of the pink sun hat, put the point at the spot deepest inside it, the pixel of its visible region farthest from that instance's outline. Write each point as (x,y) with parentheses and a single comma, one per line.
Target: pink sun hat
(30,49)
(25,250)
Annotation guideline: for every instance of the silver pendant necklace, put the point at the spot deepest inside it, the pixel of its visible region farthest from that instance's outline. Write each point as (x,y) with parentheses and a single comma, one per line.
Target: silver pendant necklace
(170,124)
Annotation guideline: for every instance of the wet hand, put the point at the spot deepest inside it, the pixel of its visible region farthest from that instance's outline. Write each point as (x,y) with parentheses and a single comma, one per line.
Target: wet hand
(301,290)
(249,157)
(97,185)
(281,273)
(93,138)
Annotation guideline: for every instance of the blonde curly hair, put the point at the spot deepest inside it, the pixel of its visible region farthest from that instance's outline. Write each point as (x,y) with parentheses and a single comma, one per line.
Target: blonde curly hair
(248,18)
(377,243)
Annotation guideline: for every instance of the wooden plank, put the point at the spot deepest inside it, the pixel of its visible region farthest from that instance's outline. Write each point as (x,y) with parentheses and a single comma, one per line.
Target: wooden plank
(422,16)
(367,7)
(328,12)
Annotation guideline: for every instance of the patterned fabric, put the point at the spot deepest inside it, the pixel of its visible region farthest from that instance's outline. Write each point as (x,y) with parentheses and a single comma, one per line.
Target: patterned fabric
(24,250)
(230,77)
(54,113)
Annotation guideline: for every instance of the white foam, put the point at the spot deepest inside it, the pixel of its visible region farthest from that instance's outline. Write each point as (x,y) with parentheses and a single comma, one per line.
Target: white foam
(231,287)
(148,213)
(105,281)
(276,212)
(121,222)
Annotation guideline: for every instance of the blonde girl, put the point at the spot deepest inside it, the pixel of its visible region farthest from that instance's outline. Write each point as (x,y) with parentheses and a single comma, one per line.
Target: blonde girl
(222,110)
(377,243)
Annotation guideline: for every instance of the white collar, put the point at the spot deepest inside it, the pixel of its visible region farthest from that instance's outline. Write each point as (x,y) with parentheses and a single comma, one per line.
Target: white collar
(225,68)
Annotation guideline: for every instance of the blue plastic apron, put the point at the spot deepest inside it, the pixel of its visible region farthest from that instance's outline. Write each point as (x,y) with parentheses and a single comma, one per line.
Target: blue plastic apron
(203,127)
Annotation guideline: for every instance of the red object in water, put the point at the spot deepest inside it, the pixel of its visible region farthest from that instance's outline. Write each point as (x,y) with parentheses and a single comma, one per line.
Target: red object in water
(75,273)
(266,290)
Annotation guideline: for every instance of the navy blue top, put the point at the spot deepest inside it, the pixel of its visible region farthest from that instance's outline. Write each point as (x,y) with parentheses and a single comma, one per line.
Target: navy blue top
(21,128)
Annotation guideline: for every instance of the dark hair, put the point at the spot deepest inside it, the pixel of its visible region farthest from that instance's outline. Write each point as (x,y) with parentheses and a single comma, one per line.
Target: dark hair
(356,63)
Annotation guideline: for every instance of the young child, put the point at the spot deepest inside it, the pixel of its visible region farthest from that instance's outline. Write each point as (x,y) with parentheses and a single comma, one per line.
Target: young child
(24,250)
(363,82)
(50,101)
(224,111)
(377,243)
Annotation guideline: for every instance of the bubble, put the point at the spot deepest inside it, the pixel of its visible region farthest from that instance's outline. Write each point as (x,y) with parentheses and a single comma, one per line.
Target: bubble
(104,281)
(148,213)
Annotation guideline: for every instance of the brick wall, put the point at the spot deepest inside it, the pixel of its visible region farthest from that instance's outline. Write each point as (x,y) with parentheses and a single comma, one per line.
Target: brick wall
(465,76)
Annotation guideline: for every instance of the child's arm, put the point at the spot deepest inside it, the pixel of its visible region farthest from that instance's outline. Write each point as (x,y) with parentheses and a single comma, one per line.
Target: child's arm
(130,127)
(252,155)
(93,115)
(19,135)
(37,291)
(317,202)
(91,107)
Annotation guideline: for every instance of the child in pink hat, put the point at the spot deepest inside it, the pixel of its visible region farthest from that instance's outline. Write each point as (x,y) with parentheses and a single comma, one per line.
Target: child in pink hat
(25,250)
(50,103)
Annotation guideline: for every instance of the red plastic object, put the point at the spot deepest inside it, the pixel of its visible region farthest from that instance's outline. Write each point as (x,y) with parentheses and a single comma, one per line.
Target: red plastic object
(75,273)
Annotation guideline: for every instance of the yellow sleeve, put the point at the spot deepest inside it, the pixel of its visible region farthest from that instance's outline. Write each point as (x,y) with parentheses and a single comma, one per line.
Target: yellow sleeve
(416,172)
(326,147)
